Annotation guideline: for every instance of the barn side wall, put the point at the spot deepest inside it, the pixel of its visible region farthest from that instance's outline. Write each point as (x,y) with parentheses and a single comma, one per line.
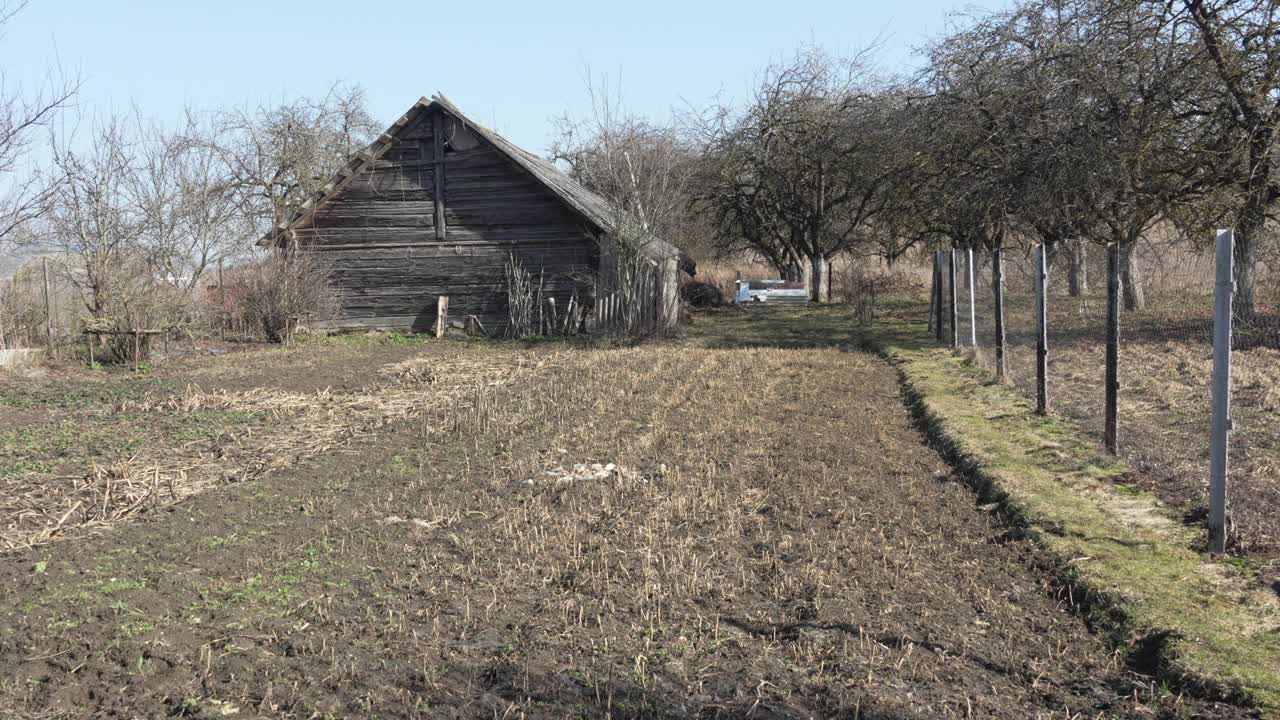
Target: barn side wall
(378,234)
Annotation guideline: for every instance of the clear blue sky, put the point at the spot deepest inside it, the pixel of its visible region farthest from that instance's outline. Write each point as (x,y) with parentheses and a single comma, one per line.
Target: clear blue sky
(512,65)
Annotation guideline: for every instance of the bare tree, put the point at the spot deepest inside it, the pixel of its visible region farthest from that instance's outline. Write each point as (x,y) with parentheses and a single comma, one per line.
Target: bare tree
(89,212)
(188,210)
(645,168)
(1242,39)
(279,155)
(799,174)
(23,114)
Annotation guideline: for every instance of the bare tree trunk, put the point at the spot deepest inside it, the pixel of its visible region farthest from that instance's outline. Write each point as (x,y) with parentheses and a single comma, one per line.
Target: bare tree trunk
(1052,244)
(795,272)
(1249,225)
(817,279)
(1078,274)
(1134,298)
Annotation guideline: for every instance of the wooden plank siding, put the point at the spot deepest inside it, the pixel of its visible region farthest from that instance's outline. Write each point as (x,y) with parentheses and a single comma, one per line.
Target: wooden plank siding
(394,245)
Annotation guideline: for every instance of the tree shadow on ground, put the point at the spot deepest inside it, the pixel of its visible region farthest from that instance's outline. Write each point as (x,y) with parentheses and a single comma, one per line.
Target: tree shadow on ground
(790,327)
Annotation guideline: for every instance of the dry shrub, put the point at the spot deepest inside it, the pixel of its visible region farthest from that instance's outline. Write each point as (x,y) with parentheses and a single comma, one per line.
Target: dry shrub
(724,274)
(862,287)
(701,295)
(281,290)
(135,299)
(22,316)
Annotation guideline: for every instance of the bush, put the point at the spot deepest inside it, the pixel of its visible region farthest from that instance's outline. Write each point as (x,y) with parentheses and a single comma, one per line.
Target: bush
(135,300)
(701,295)
(863,288)
(277,292)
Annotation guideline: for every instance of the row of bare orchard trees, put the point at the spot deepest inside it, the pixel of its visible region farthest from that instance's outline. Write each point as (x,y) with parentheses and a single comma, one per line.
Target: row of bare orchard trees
(1055,122)
(1064,124)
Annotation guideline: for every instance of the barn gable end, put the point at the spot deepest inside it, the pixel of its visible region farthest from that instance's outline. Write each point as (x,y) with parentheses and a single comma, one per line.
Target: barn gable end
(437,205)
(377,230)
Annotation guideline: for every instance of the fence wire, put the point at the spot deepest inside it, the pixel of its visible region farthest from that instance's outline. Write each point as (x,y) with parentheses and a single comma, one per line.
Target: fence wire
(1165,367)
(30,316)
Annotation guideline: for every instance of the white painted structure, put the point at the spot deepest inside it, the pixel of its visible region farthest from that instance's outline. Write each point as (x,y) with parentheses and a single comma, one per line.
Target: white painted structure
(774,292)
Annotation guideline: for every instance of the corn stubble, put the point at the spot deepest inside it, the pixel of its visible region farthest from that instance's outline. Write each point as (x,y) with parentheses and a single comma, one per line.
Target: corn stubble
(777,543)
(708,533)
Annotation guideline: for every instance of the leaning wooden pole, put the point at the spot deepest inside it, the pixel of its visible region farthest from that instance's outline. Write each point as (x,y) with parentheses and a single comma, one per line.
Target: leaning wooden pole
(48,305)
(1115,287)
(997,290)
(1224,289)
(951,305)
(1042,332)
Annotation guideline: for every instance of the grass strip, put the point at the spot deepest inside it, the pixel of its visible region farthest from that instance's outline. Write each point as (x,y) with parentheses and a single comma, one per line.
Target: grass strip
(1125,557)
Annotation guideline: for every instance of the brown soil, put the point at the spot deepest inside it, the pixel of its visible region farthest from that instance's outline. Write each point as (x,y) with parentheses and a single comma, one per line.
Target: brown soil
(775,542)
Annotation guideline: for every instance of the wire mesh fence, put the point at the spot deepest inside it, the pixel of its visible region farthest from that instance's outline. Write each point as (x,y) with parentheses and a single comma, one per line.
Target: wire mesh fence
(37,309)
(41,309)
(1163,403)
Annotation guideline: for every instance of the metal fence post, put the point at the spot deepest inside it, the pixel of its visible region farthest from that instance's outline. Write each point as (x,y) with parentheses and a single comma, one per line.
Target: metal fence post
(1042,332)
(997,288)
(973,322)
(1115,286)
(951,289)
(1224,290)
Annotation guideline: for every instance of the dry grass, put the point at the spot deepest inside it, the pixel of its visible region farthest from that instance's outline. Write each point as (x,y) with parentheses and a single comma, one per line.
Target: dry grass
(296,426)
(1166,373)
(773,540)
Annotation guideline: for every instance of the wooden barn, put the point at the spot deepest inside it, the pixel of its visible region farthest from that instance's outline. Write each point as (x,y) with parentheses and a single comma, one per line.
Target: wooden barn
(439,205)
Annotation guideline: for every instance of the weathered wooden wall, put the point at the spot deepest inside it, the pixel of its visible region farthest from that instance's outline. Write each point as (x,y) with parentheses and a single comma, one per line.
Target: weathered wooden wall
(378,234)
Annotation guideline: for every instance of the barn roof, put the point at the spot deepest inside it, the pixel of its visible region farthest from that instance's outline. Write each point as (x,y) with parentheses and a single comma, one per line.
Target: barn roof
(597,210)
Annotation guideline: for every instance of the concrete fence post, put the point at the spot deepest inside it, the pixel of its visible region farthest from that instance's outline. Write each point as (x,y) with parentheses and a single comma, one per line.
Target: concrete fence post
(952,315)
(973,317)
(997,289)
(1223,294)
(935,315)
(938,286)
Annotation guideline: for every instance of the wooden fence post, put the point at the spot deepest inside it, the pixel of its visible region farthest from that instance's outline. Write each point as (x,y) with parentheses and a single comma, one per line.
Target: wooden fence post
(48,304)
(222,300)
(952,314)
(1042,332)
(997,289)
(442,315)
(1115,287)
(1224,289)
